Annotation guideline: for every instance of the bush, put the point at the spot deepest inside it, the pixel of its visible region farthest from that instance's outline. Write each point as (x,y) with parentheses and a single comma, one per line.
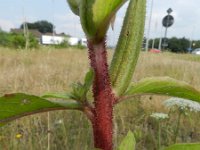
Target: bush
(64,44)
(16,40)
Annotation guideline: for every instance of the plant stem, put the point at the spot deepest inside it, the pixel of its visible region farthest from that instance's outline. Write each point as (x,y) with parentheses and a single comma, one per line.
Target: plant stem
(103,97)
(159,135)
(49,131)
(177,126)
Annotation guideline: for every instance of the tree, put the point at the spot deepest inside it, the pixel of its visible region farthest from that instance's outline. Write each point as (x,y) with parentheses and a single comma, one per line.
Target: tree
(42,26)
(16,40)
(178,45)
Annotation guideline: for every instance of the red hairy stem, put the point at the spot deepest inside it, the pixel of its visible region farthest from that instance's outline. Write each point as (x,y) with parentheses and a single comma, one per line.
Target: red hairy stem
(103,97)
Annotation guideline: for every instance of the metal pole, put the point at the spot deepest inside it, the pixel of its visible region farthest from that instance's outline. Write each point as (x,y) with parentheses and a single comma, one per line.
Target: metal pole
(149,27)
(25,26)
(153,43)
(191,39)
(160,41)
(165,36)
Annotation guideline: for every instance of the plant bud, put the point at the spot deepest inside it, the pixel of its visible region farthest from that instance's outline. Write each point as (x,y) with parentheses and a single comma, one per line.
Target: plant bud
(96,16)
(74,5)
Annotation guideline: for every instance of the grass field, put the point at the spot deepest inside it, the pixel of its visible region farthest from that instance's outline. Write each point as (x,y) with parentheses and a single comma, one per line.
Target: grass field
(45,70)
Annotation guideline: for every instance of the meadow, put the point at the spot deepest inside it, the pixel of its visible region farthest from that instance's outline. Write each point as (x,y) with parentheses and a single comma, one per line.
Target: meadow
(55,70)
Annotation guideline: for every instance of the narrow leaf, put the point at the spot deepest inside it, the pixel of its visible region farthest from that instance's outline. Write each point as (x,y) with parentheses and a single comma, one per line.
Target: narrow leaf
(13,106)
(164,86)
(128,46)
(128,142)
(190,146)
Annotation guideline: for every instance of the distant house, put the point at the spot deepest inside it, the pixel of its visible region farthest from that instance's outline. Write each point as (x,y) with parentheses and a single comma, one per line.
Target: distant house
(52,40)
(75,41)
(83,42)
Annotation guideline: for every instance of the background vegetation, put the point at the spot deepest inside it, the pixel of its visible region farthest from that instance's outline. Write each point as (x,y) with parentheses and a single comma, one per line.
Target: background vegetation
(48,69)
(17,41)
(177,45)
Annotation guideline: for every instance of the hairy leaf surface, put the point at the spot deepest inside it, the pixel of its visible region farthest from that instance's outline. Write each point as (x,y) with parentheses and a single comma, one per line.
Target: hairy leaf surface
(128,47)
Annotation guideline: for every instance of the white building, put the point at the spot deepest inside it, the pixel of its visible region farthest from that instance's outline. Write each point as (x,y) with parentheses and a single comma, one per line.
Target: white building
(52,40)
(83,42)
(55,40)
(73,41)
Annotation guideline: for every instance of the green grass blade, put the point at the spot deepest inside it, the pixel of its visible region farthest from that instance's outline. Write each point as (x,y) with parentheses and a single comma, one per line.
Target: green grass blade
(164,86)
(129,46)
(17,105)
(190,146)
(128,142)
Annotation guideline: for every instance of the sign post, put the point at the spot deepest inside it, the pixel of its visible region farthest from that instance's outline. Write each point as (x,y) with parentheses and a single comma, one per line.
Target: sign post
(167,22)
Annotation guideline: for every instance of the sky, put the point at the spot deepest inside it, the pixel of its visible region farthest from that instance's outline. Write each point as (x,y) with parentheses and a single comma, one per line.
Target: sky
(185,12)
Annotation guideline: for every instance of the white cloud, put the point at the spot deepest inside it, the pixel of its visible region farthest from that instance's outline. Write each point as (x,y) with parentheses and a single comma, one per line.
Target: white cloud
(69,24)
(186,14)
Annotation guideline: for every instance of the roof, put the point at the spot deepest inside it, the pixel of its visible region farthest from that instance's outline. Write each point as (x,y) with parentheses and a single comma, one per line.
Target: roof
(34,32)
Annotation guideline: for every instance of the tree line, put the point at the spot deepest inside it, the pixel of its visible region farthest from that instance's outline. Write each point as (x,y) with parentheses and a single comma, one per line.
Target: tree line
(42,26)
(177,45)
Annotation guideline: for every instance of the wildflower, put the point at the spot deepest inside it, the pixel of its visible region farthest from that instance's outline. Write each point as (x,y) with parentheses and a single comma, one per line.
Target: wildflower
(159,116)
(183,104)
(18,136)
(60,121)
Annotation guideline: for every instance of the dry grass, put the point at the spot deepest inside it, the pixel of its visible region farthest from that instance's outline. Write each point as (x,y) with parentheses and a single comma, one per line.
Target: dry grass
(43,70)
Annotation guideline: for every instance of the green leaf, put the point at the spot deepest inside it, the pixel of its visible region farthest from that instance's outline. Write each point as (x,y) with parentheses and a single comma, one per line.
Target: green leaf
(95,17)
(68,104)
(80,90)
(89,79)
(128,47)
(13,106)
(128,142)
(57,95)
(164,86)
(74,5)
(190,146)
